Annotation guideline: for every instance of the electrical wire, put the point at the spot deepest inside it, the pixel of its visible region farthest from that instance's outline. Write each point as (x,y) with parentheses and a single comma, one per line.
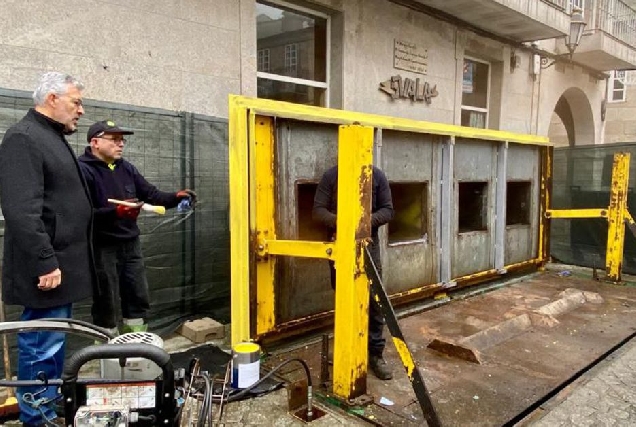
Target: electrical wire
(205,414)
(245,391)
(206,403)
(175,220)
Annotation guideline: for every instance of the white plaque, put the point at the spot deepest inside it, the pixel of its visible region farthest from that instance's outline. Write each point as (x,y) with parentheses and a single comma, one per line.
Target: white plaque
(410,57)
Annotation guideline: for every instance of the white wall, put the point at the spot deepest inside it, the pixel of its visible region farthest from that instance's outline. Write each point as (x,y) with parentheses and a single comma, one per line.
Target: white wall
(172,54)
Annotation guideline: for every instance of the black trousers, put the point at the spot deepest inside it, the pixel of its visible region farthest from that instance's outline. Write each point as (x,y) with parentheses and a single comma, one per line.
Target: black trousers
(120,273)
(376,319)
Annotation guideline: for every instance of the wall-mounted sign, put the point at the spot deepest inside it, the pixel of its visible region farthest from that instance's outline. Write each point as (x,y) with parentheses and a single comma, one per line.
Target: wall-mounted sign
(409,57)
(416,90)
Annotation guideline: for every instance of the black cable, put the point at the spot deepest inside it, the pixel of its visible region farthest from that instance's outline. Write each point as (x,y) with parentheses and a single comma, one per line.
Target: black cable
(246,390)
(208,397)
(203,411)
(206,403)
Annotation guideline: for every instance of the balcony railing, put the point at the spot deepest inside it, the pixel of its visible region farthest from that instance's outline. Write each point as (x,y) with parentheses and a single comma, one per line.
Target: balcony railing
(559,4)
(614,18)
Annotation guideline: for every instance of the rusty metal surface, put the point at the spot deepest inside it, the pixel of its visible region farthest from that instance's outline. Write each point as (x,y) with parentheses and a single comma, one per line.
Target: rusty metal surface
(304,152)
(473,251)
(524,164)
(411,157)
(513,373)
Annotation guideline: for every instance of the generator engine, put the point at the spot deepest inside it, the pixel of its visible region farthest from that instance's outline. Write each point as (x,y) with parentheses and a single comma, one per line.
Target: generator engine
(135,368)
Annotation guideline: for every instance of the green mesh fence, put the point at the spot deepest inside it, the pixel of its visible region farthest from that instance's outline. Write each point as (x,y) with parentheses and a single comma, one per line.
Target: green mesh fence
(187,259)
(582,178)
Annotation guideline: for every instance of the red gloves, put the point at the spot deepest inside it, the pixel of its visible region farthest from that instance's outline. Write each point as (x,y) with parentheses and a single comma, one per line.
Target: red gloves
(128,212)
(183,194)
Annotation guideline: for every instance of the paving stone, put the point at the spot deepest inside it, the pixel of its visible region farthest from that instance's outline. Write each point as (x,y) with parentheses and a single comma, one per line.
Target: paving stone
(608,399)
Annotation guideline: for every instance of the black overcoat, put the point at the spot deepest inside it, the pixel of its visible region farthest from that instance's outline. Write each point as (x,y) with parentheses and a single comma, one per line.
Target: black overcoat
(48,214)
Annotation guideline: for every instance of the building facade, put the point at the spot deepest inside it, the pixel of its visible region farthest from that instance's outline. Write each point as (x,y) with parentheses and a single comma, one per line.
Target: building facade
(166,68)
(479,61)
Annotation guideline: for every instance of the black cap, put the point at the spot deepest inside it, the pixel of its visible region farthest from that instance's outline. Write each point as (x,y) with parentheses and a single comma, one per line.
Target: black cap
(105,126)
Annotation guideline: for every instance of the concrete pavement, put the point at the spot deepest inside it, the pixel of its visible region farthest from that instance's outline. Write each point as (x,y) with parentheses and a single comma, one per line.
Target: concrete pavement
(604,396)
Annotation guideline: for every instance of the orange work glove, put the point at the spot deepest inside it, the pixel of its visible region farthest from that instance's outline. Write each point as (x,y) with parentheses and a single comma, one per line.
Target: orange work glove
(183,194)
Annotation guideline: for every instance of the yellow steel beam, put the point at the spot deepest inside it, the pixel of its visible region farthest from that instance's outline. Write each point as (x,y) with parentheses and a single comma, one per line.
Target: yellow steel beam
(239,222)
(545,195)
(616,217)
(264,170)
(576,213)
(325,115)
(297,248)
(353,224)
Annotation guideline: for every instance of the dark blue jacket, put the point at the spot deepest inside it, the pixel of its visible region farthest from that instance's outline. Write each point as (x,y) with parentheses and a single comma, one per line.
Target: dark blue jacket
(326,201)
(123,182)
(47,213)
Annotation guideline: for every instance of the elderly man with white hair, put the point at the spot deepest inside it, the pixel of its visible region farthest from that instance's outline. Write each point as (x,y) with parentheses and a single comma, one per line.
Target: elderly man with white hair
(47,262)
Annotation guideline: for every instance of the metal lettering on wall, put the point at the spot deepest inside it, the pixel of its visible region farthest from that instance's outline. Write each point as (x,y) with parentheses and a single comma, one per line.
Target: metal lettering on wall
(408,57)
(416,90)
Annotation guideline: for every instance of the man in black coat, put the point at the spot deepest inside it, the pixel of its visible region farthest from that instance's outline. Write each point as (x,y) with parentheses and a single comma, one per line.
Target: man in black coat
(47,257)
(324,211)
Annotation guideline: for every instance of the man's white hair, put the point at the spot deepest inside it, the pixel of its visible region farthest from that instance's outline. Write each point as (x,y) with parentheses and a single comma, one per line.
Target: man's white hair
(54,82)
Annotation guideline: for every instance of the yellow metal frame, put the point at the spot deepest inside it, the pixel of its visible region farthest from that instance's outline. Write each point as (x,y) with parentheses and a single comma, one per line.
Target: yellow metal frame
(616,214)
(254,246)
(547,155)
(355,159)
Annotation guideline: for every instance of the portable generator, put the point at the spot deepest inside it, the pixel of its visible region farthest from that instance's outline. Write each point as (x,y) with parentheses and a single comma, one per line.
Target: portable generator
(137,384)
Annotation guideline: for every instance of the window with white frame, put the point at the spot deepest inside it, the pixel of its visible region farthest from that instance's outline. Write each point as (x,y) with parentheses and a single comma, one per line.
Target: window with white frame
(475,82)
(617,86)
(263,60)
(576,4)
(297,43)
(291,59)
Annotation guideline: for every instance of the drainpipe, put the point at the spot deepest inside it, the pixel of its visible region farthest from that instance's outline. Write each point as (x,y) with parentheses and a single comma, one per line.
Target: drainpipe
(603,111)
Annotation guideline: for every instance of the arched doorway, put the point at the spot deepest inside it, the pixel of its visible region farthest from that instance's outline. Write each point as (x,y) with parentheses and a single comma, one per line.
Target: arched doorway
(572,122)
(571,125)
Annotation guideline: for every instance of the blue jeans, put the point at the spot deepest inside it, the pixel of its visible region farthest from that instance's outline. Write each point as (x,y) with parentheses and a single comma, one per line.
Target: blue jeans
(40,352)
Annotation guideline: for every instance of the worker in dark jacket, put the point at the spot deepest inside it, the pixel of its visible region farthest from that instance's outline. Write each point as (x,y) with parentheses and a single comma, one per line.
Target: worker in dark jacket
(118,255)
(324,211)
(47,211)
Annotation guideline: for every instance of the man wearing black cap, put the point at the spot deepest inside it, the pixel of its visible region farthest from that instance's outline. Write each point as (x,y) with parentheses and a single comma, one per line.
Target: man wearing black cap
(118,256)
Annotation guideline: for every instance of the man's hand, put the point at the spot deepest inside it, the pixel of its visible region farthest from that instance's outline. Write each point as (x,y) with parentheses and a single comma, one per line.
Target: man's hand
(183,194)
(129,212)
(50,280)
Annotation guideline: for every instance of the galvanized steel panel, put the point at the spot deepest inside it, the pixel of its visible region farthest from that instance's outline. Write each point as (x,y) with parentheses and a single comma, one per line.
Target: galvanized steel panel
(519,243)
(305,151)
(473,251)
(411,158)
(522,240)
